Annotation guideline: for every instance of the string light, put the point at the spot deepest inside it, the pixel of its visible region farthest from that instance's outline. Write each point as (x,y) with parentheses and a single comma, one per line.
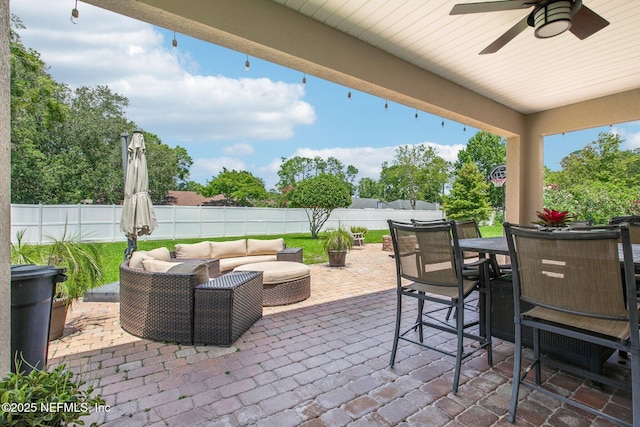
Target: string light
(247,65)
(464,129)
(349,95)
(304,79)
(442,124)
(416,114)
(386,106)
(75,14)
(174,43)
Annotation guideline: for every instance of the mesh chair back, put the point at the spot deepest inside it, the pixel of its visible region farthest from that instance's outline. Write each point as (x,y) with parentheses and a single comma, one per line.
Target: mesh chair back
(468,230)
(634,226)
(570,271)
(424,253)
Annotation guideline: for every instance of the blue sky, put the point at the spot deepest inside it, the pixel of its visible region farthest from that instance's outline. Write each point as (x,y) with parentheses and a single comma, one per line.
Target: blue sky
(200,96)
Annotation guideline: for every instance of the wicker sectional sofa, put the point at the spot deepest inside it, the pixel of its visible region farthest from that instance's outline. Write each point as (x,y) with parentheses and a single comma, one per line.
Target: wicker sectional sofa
(159,289)
(234,253)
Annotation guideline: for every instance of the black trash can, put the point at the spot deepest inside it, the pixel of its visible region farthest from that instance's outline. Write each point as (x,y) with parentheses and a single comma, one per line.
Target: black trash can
(32,291)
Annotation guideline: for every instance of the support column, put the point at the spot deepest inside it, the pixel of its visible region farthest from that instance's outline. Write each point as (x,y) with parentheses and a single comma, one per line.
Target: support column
(5,190)
(531,175)
(512,193)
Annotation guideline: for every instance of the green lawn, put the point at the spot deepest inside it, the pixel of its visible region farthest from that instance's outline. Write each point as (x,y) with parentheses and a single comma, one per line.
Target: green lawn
(112,253)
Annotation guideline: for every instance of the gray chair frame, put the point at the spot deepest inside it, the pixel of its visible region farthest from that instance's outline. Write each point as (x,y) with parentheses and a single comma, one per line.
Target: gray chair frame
(607,236)
(426,287)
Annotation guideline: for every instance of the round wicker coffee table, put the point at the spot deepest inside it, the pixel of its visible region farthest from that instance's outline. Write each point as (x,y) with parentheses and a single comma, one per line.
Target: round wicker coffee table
(284,282)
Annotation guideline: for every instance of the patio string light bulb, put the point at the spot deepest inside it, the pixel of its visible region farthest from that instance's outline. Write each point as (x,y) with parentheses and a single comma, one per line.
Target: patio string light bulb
(174,43)
(75,14)
(247,65)
(349,95)
(304,80)
(386,105)
(416,116)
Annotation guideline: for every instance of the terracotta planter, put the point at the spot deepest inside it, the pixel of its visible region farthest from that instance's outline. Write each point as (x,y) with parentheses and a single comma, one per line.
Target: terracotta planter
(58,318)
(337,258)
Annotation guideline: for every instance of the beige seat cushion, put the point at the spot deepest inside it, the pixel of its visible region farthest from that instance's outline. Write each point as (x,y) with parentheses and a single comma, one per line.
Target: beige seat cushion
(264,247)
(193,250)
(157,266)
(230,249)
(227,264)
(275,272)
(161,254)
(200,269)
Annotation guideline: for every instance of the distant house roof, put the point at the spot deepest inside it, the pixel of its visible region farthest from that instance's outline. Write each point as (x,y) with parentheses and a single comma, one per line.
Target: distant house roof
(189,198)
(406,204)
(366,203)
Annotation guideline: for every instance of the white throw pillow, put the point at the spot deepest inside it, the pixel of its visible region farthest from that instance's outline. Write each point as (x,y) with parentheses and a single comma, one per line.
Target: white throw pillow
(137,257)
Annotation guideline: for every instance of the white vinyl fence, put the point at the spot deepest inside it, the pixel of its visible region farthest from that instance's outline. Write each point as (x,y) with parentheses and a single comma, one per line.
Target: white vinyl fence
(101,223)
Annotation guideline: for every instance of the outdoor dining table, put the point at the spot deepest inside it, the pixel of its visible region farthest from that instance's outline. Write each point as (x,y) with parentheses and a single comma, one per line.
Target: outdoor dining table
(498,246)
(586,355)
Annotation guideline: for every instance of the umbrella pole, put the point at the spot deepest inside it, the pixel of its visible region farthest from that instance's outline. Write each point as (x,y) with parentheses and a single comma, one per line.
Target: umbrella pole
(132,246)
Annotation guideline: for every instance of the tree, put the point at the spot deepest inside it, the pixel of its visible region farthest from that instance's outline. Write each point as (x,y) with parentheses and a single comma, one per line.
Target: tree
(37,111)
(598,182)
(417,172)
(318,196)
(468,198)
(487,151)
(167,166)
(368,188)
(299,168)
(240,186)
(66,146)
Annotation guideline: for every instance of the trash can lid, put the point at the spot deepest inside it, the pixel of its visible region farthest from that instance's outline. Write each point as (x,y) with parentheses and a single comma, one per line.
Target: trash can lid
(28,271)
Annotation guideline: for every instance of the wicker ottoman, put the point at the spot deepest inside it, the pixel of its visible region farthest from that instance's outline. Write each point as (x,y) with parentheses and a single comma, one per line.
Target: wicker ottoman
(284,282)
(225,307)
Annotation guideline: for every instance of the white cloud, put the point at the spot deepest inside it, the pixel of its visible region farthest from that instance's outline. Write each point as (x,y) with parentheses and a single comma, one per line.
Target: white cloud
(632,141)
(238,150)
(166,94)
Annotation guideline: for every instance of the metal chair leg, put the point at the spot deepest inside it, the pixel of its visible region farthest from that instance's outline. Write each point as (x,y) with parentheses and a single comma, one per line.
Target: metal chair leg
(517,358)
(397,332)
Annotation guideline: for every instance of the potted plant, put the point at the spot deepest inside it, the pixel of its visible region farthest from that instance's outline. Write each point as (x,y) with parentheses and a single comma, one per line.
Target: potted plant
(337,243)
(83,270)
(46,398)
(551,218)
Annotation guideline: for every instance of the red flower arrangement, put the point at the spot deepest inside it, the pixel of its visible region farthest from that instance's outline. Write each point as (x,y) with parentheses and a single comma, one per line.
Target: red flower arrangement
(553,218)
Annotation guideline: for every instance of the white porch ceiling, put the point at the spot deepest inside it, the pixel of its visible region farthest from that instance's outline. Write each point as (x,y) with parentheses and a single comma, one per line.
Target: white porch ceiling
(528,74)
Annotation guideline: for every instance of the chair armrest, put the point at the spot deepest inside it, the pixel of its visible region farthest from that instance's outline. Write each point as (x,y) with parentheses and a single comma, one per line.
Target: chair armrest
(290,254)
(213,264)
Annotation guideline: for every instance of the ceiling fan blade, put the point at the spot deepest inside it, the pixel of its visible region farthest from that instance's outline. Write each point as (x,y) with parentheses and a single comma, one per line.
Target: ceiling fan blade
(506,37)
(586,22)
(492,6)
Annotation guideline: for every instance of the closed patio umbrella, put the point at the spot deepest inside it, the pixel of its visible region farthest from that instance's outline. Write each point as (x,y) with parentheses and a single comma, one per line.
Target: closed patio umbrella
(138,216)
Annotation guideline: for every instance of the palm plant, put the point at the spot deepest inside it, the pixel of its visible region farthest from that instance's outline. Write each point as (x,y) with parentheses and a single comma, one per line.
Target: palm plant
(81,261)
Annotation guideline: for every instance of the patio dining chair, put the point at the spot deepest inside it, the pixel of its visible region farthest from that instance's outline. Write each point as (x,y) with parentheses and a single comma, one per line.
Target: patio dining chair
(574,286)
(429,269)
(469,229)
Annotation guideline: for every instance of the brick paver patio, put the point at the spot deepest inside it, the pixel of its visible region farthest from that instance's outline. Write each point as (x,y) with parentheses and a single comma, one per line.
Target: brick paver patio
(321,362)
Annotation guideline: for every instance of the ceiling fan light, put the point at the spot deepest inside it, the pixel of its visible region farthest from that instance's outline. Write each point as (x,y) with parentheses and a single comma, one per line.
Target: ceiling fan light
(552,19)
